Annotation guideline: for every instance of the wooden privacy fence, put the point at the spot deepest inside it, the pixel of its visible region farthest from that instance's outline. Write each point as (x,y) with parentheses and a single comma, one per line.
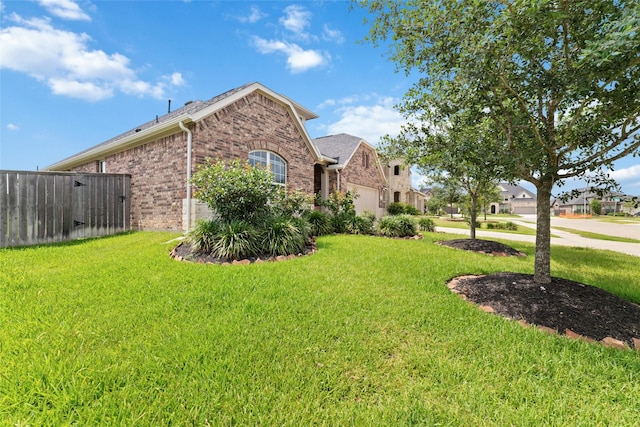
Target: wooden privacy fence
(46,207)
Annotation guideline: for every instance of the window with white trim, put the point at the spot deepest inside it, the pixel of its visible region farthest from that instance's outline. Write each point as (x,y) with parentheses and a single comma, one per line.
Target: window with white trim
(271,161)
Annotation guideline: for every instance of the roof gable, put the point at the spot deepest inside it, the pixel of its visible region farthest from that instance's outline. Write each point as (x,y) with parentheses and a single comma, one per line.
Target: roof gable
(192,111)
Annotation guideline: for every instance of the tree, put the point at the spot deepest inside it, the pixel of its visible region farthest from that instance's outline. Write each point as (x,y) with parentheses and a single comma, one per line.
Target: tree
(596,206)
(447,190)
(459,149)
(560,80)
(491,195)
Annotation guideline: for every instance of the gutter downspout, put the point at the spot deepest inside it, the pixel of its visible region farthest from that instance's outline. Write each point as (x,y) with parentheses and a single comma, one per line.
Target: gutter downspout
(189,142)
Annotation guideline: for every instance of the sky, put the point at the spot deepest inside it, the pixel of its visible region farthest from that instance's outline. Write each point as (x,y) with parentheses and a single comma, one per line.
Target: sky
(75,73)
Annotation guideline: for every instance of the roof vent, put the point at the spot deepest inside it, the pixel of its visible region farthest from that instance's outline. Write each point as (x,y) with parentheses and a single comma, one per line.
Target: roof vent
(138,130)
(187,103)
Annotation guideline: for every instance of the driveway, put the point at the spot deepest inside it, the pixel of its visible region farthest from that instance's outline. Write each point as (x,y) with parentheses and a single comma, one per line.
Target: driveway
(563,238)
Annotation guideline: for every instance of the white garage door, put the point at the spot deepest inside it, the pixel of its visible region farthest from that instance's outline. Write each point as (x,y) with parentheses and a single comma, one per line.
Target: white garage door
(367,198)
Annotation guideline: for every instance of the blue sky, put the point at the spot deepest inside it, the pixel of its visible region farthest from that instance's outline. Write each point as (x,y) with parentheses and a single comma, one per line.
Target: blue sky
(76,73)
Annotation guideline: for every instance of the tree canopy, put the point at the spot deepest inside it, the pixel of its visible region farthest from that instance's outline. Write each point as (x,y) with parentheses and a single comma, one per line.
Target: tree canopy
(559,79)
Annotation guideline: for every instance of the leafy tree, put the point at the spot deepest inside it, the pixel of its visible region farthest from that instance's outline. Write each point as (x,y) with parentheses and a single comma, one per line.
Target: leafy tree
(596,206)
(491,195)
(447,190)
(559,79)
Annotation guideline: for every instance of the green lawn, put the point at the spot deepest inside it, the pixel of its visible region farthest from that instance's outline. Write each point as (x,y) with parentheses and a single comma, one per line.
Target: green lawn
(590,235)
(363,333)
(458,223)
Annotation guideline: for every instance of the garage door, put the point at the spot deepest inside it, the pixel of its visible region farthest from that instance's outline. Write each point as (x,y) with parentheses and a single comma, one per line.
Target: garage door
(367,198)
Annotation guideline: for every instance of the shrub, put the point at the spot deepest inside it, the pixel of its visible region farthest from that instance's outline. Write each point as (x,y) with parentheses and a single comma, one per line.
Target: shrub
(204,234)
(236,239)
(502,226)
(426,224)
(281,236)
(235,191)
(363,224)
(397,226)
(410,210)
(343,210)
(319,222)
(396,208)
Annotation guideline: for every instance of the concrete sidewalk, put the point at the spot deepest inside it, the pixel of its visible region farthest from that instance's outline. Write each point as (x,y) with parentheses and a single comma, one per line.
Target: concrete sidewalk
(563,239)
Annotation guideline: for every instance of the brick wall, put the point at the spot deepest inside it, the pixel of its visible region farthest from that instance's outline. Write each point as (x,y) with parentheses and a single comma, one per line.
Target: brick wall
(255,123)
(363,169)
(158,168)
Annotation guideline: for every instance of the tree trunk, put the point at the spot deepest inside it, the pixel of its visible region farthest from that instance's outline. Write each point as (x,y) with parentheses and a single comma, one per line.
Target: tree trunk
(473,215)
(542,267)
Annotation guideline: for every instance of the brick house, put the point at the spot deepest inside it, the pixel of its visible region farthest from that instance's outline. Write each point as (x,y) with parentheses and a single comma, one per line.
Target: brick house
(249,122)
(357,169)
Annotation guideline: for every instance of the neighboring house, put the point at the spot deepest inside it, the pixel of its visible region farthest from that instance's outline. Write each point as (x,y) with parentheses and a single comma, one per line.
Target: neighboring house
(356,169)
(611,202)
(399,186)
(250,122)
(515,199)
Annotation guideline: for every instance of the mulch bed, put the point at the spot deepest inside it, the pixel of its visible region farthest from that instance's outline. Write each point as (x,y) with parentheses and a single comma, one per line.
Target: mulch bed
(485,246)
(563,306)
(183,252)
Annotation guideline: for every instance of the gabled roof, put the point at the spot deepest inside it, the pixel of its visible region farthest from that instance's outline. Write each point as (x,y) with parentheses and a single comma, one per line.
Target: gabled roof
(516,191)
(340,147)
(191,112)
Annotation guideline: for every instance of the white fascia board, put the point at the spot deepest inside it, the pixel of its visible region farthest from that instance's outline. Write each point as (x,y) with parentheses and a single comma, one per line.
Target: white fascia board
(100,151)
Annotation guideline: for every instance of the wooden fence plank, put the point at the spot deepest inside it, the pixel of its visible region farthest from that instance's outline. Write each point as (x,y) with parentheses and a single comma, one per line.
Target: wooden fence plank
(4,210)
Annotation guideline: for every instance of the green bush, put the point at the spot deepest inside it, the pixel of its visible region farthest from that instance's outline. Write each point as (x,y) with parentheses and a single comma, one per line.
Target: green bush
(410,210)
(236,191)
(204,235)
(343,211)
(396,208)
(397,226)
(363,223)
(319,222)
(282,236)
(502,226)
(426,224)
(236,239)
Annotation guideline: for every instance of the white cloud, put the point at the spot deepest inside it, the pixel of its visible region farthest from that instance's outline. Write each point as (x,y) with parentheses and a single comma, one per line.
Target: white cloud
(65,9)
(330,34)
(177,79)
(13,127)
(298,59)
(296,20)
(629,177)
(370,122)
(254,16)
(63,60)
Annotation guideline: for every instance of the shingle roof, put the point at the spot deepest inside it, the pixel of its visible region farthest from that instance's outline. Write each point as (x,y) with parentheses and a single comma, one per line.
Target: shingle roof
(340,147)
(189,110)
(514,190)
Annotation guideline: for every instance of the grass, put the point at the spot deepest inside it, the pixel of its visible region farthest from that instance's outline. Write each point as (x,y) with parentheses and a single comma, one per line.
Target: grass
(365,332)
(598,236)
(461,224)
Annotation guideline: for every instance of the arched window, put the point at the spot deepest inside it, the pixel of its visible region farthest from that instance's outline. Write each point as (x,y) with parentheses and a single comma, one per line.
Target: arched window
(271,161)
(396,170)
(396,196)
